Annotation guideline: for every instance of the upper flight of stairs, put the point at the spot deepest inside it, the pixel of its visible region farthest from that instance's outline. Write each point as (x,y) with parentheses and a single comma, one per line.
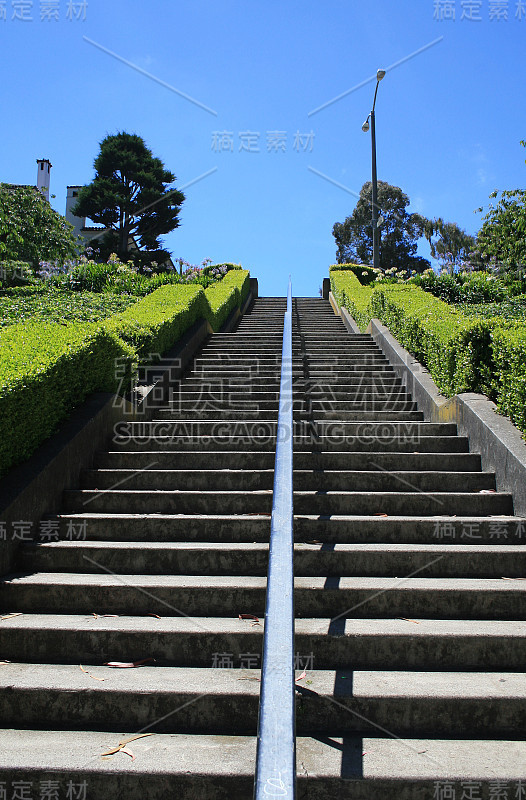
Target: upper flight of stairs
(410,596)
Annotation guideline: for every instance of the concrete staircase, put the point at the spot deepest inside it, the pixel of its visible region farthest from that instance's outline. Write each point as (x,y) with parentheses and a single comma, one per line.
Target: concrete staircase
(410,598)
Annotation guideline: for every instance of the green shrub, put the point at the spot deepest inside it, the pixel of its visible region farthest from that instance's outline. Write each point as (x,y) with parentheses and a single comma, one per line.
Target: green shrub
(509,380)
(45,370)
(455,349)
(15,273)
(56,305)
(349,293)
(226,295)
(476,287)
(155,323)
(365,274)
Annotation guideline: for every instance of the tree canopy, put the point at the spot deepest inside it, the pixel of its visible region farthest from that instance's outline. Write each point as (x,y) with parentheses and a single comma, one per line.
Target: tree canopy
(32,231)
(449,244)
(502,237)
(130,194)
(399,232)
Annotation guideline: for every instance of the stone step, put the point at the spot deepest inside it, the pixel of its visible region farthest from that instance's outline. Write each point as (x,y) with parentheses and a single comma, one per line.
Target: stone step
(270,400)
(412,643)
(332,529)
(220,595)
(372,430)
(443,462)
(306,443)
(241,558)
(196,402)
(198,767)
(374,414)
(475,704)
(160,501)
(308,480)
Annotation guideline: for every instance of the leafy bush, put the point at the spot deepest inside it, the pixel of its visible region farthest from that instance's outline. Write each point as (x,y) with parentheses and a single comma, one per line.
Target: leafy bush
(223,297)
(476,287)
(509,381)
(15,273)
(156,322)
(365,274)
(46,370)
(55,305)
(514,309)
(30,230)
(456,350)
(349,293)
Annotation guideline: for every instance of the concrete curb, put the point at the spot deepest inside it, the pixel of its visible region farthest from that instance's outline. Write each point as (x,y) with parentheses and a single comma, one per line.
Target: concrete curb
(493,436)
(35,488)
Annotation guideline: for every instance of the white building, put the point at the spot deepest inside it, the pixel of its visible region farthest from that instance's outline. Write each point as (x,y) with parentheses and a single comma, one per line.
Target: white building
(79,223)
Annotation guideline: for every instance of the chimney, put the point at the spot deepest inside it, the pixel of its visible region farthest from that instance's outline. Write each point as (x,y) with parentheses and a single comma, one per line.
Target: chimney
(44,176)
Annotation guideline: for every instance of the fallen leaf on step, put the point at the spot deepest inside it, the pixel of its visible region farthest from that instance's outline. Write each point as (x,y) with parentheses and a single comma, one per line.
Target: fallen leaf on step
(128,664)
(89,673)
(380,514)
(249,616)
(10,616)
(113,616)
(249,679)
(488,491)
(405,619)
(153,615)
(121,746)
(128,753)
(302,676)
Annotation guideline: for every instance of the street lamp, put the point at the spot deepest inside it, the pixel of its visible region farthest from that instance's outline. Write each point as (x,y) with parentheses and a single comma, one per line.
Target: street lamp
(365,128)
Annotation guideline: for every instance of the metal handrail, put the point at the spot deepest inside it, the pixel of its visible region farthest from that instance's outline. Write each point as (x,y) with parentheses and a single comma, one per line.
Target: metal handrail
(276,750)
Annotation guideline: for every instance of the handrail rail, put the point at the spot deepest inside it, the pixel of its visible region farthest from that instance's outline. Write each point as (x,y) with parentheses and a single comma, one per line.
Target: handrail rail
(276,750)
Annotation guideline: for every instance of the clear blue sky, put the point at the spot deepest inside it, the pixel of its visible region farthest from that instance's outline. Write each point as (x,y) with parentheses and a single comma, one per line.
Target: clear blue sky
(449,120)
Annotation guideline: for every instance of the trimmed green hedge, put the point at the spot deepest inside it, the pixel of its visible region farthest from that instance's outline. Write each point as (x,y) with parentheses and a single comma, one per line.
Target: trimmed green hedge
(365,274)
(46,369)
(156,322)
(226,295)
(455,349)
(509,379)
(349,292)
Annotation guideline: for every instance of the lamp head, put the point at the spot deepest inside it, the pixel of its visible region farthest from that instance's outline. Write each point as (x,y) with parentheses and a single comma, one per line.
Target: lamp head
(380,75)
(365,126)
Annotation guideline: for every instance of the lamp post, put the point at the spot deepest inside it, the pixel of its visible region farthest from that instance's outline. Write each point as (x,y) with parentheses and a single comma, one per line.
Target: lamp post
(365,127)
